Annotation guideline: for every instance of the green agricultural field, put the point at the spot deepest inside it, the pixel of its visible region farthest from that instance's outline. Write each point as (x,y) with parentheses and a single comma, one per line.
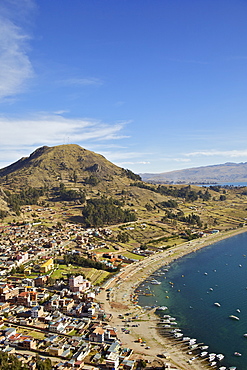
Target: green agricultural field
(95,276)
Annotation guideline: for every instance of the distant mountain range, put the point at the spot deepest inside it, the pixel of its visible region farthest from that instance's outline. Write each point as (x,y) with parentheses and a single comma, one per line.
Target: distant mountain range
(221,173)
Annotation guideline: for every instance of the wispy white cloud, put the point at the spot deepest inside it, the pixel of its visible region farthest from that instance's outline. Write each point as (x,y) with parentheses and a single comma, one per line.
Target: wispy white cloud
(23,135)
(52,129)
(171,159)
(119,103)
(119,156)
(224,153)
(16,67)
(131,163)
(62,111)
(87,81)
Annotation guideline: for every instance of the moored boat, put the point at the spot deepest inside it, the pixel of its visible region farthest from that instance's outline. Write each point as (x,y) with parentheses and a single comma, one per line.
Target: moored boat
(220,357)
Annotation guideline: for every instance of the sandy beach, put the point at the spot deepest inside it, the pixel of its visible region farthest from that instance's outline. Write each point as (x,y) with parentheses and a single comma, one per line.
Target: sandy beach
(118,301)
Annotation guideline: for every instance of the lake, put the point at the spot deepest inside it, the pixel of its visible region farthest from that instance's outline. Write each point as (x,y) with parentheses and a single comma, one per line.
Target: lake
(194,283)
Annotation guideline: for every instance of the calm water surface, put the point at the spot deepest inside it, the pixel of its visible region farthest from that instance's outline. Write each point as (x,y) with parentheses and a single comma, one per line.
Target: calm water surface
(217,273)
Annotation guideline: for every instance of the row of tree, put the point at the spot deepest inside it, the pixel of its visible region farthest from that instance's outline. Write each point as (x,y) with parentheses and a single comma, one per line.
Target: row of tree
(185,192)
(11,362)
(26,196)
(71,194)
(75,259)
(103,211)
(191,219)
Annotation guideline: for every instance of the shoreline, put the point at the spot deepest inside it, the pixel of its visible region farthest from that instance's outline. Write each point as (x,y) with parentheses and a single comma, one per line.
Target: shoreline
(119,301)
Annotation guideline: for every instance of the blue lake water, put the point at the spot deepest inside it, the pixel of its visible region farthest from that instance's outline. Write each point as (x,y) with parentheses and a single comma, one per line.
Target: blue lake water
(217,273)
(226,184)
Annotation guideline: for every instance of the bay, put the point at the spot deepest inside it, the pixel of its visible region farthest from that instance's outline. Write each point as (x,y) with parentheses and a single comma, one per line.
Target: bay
(194,283)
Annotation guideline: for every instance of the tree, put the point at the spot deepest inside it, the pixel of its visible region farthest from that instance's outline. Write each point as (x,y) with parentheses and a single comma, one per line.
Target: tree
(123,237)
(92,180)
(43,364)
(2,214)
(148,207)
(75,177)
(20,269)
(142,364)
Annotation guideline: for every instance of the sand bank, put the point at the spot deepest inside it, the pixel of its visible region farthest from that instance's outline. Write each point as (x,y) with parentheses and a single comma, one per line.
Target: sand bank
(118,301)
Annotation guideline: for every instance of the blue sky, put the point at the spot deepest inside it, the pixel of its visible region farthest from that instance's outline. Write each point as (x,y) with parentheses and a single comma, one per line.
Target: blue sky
(153,85)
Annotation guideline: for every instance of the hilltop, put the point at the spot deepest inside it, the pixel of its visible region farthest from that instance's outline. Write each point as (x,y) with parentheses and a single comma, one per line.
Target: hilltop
(48,166)
(227,172)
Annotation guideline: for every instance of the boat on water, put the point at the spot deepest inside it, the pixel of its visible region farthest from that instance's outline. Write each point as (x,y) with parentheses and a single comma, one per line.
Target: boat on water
(233,317)
(204,347)
(217,304)
(178,335)
(211,356)
(220,357)
(238,354)
(162,308)
(155,282)
(192,341)
(185,339)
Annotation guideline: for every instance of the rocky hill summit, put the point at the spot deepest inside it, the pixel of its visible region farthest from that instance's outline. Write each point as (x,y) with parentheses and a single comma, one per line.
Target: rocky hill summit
(49,166)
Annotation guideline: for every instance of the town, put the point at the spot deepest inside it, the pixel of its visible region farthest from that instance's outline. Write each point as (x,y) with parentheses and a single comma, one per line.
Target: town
(56,317)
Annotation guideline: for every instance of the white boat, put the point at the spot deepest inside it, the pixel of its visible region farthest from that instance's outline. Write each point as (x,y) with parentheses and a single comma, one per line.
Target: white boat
(217,304)
(155,282)
(162,308)
(234,317)
(245,335)
(193,346)
(220,357)
(186,339)
(237,354)
(178,335)
(203,354)
(175,330)
(211,357)
(192,341)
